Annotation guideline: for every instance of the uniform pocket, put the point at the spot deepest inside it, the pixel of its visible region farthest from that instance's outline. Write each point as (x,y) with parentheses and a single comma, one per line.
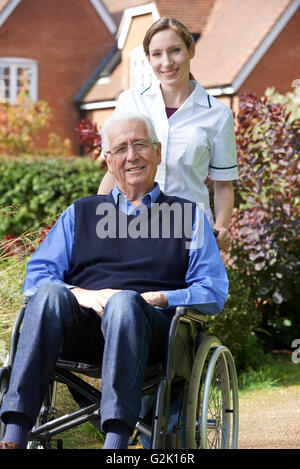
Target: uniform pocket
(179,146)
(198,148)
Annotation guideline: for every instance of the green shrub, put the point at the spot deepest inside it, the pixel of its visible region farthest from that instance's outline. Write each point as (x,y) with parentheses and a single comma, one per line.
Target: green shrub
(22,123)
(39,189)
(236,325)
(265,222)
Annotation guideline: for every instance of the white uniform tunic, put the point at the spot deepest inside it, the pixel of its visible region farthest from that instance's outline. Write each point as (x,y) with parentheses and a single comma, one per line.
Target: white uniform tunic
(197,140)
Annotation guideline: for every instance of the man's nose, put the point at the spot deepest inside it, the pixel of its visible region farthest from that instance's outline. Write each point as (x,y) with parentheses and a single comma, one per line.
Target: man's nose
(131,153)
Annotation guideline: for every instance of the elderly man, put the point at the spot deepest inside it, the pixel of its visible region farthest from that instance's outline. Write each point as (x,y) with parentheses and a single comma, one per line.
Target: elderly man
(104,284)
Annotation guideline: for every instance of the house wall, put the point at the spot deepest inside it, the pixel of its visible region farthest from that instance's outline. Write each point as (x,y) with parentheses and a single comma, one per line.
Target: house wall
(68,39)
(99,115)
(138,28)
(279,67)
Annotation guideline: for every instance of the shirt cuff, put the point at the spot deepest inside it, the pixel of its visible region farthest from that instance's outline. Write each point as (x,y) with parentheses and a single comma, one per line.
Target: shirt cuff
(224,174)
(175,298)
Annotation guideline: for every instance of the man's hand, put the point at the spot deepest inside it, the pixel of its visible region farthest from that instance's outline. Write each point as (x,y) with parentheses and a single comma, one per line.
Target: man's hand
(155,298)
(94,299)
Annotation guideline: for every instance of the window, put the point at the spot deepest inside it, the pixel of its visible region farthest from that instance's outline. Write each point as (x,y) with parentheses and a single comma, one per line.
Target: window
(13,73)
(141,74)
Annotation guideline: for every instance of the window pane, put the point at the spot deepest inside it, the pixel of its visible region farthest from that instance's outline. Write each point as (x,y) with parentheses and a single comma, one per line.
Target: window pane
(4,72)
(141,75)
(24,79)
(4,83)
(14,76)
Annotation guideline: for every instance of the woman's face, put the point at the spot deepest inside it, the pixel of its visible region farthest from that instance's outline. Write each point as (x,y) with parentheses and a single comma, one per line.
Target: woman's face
(170,58)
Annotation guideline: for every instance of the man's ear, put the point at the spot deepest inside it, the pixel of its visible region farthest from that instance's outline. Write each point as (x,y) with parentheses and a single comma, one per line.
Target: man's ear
(109,165)
(158,150)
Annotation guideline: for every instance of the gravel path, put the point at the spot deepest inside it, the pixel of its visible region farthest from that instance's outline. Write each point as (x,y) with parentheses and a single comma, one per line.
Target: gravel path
(270,419)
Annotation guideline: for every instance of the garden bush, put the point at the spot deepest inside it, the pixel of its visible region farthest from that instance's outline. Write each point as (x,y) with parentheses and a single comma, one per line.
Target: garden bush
(265,222)
(34,191)
(237,324)
(21,125)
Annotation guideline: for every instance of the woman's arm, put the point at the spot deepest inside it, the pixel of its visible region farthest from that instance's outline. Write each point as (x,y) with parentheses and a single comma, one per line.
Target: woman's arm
(107,184)
(223,205)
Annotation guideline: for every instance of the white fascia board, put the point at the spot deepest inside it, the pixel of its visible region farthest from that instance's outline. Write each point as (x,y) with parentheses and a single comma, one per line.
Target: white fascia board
(221,91)
(265,44)
(128,14)
(104,14)
(7,10)
(98,105)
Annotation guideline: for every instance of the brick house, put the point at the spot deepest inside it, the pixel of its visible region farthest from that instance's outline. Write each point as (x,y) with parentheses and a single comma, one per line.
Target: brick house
(249,45)
(79,55)
(57,44)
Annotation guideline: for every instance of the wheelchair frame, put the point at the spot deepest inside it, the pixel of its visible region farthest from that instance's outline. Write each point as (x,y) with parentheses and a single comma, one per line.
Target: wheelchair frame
(199,363)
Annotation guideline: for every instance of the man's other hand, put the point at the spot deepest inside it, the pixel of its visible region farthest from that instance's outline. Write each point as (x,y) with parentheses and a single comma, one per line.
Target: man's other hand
(155,298)
(94,299)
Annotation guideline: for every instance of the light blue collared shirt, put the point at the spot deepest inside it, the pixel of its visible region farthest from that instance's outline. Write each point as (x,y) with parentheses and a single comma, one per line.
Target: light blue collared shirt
(206,279)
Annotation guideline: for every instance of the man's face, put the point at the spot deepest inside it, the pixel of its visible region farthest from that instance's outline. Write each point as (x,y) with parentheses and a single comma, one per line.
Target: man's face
(133,159)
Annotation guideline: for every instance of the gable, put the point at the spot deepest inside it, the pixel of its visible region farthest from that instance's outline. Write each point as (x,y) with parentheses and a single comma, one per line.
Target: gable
(236,38)
(7,7)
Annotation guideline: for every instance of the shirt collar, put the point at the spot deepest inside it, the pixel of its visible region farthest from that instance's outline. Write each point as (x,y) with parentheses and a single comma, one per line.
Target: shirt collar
(148,199)
(198,95)
(201,96)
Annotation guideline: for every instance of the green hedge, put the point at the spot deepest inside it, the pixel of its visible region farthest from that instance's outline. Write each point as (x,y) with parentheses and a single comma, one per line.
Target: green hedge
(236,326)
(36,190)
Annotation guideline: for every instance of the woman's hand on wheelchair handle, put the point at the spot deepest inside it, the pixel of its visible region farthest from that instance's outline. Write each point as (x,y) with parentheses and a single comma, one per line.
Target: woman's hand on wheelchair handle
(223,238)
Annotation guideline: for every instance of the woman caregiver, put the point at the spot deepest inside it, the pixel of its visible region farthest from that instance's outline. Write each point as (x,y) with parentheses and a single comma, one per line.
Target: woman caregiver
(195,129)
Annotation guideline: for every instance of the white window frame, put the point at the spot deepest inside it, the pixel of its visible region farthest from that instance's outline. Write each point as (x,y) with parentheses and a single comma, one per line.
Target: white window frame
(13,63)
(140,72)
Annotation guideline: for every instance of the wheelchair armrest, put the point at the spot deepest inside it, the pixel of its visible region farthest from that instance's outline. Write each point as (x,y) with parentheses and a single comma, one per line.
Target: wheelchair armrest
(191,313)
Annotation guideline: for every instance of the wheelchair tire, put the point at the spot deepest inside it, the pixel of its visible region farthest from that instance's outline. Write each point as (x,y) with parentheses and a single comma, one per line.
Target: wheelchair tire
(4,383)
(212,403)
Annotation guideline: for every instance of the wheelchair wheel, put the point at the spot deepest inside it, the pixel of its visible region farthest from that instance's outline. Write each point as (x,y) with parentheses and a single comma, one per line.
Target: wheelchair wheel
(212,404)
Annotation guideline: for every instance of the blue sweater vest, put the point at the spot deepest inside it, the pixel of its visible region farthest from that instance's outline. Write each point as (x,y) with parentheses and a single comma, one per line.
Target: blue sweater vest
(149,263)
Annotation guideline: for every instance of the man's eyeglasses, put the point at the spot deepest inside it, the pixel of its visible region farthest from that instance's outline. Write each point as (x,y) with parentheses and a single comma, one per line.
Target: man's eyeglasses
(139,146)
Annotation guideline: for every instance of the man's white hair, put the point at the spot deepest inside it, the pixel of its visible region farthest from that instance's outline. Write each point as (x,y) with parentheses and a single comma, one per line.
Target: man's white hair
(115,119)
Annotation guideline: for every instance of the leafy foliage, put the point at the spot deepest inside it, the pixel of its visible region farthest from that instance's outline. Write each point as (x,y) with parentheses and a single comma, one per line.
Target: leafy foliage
(236,325)
(87,135)
(22,123)
(266,222)
(38,189)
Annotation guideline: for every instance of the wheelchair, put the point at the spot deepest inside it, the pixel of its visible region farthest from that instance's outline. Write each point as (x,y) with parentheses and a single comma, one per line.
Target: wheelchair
(199,366)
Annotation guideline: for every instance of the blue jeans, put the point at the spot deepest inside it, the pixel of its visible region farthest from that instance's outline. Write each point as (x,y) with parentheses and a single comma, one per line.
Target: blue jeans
(130,334)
